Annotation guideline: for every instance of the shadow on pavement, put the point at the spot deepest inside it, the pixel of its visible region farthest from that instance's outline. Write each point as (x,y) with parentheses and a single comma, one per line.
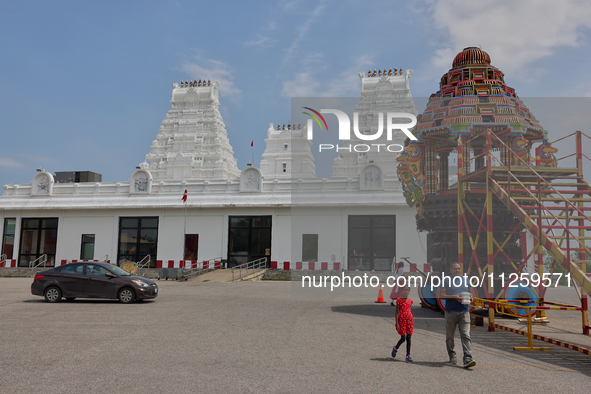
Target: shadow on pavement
(91,301)
(425,319)
(433,364)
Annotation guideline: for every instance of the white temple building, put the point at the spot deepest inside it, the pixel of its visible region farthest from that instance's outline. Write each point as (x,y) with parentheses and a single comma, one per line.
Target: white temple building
(355,220)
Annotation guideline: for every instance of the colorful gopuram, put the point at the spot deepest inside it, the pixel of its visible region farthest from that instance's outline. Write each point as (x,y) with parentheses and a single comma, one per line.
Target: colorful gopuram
(472,98)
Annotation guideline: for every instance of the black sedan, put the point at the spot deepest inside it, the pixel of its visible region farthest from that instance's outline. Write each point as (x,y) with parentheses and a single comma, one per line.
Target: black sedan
(92,280)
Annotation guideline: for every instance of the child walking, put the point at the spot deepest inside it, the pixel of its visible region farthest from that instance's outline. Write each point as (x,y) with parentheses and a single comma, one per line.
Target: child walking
(404,322)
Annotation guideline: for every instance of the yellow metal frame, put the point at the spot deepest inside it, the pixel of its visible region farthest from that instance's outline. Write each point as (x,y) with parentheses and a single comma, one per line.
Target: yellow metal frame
(509,309)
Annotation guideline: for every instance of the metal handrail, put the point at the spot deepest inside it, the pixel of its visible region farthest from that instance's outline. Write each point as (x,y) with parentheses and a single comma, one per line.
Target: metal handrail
(144,263)
(540,178)
(40,261)
(536,199)
(199,267)
(252,266)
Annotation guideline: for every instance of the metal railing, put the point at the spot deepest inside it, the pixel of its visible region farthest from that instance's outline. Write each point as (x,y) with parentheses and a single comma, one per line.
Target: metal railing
(197,268)
(40,261)
(143,264)
(244,270)
(511,307)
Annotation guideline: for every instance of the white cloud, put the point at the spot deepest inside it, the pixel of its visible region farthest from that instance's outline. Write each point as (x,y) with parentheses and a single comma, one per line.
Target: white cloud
(216,71)
(10,163)
(313,58)
(303,30)
(514,33)
(261,42)
(345,83)
(303,85)
(288,5)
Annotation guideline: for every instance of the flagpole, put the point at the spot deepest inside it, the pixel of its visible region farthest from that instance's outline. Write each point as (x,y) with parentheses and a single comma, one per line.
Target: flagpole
(185,226)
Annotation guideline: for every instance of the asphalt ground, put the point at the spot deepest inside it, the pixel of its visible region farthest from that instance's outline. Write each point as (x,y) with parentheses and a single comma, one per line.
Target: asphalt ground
(254,337)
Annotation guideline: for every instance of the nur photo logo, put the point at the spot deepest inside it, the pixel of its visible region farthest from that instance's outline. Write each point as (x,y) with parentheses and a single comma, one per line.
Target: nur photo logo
(345,129)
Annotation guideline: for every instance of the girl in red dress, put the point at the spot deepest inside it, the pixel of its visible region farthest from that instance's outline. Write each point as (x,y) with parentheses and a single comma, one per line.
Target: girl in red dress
(404,322)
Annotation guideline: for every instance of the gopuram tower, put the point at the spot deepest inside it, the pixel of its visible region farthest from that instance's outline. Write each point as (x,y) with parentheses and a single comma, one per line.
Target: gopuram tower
(381,92)
(192,142)
(472,98)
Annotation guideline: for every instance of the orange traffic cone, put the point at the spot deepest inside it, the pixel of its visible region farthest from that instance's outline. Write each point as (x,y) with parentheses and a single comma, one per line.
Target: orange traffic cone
(380,296)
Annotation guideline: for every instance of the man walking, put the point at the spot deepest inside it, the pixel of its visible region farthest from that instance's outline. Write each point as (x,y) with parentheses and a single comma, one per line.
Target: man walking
(458,314)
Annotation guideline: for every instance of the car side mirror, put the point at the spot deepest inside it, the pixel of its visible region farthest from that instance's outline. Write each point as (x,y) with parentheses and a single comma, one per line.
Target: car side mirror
(110,275)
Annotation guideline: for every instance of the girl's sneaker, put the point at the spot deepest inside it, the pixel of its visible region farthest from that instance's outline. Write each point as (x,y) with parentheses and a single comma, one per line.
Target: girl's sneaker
(408,359)
(394,351)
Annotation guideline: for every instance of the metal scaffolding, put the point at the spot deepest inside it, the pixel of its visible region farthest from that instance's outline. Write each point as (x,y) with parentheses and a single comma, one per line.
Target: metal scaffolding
(550,202)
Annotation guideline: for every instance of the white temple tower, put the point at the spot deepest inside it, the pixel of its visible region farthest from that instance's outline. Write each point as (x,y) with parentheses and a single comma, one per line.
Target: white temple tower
(380,93)
(288,153)
(192,142)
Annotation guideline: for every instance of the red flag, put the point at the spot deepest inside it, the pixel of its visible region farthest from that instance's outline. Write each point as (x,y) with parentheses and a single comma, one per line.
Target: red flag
(252,144)
(184,198)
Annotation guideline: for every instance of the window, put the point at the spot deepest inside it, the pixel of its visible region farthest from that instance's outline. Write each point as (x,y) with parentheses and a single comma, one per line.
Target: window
(38,237)
(249,239)
(483,99)
(95,270)
(8,237)
(437,122)
(488,118)
(138,237)
(309,247)
(284,167)
(284,146)
(87,247)
(72,269)
(372,242)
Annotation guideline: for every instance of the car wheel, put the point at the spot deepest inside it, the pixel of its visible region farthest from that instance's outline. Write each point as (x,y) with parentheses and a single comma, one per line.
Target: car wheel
(126,295)
(53,294)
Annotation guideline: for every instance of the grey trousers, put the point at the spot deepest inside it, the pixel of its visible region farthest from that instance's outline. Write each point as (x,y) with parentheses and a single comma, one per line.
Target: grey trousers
(462,319)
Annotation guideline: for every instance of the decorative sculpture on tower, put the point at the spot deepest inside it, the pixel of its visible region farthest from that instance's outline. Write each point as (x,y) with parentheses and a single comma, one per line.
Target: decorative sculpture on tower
(410,174)
(547,158)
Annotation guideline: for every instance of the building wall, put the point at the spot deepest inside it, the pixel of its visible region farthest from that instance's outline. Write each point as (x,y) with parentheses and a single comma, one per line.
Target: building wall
(288,225)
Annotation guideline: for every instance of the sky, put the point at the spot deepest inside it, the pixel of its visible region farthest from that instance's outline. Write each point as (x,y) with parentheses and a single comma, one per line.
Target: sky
(84,86)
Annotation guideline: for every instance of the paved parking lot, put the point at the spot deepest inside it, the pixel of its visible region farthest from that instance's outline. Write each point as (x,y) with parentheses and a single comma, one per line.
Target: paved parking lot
(252,337)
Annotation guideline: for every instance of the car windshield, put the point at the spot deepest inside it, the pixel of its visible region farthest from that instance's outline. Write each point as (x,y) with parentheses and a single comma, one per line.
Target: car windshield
(119,271)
